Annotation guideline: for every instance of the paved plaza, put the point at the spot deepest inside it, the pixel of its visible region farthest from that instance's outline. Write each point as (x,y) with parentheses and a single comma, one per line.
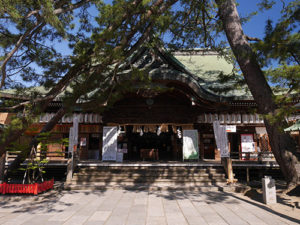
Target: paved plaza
(143,207)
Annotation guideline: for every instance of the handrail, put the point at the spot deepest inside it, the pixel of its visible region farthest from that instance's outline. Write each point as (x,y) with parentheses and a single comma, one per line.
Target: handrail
(252,156)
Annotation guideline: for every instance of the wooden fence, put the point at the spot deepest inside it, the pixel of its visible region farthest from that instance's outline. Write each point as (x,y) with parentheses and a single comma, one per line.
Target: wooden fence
(35,188)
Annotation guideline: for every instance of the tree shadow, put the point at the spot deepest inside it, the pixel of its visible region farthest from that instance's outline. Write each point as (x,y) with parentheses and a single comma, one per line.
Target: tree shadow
(53,201)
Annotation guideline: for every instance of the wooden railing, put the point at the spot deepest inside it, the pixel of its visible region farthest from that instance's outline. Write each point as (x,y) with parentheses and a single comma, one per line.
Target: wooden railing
(50,155)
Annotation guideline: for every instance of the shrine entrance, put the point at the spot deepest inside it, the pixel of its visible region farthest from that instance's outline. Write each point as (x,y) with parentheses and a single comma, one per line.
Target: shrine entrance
(150,124)
(154,145)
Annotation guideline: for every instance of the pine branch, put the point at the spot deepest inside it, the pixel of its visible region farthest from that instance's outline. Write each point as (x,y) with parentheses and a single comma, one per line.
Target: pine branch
(71,7)
(252,38)
(12,52)
(33,30)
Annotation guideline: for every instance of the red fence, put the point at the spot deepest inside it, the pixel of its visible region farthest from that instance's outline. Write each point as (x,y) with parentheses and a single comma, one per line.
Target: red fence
(35,188)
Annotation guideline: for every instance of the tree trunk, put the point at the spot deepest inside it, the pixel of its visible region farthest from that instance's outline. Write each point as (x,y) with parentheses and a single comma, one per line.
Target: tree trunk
(281,143)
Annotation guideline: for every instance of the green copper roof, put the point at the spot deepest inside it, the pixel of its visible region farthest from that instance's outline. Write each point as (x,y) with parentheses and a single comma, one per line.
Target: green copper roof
(199,68)
(208,66)
(294,127)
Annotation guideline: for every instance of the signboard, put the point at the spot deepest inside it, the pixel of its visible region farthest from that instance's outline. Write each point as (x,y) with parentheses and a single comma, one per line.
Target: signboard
(230,128)
(190,144)
(247,143)
(109,149)
(221,139)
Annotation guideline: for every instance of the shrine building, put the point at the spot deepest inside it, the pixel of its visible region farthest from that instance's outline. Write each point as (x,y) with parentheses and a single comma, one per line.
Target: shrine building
(170,119)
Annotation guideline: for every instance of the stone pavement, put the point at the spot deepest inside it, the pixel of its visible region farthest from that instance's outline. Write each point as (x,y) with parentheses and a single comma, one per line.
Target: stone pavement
(142,207)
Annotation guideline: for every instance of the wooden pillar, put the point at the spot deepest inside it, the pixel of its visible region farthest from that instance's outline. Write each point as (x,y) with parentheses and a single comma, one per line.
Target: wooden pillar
(247,175)
(69,170)
(227,163)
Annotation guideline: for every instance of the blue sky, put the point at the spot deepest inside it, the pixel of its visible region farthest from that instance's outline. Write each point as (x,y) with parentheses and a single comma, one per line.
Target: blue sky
(254,28)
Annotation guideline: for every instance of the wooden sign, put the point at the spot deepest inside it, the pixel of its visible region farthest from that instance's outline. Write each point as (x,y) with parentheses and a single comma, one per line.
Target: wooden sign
(247,143)
(230,128)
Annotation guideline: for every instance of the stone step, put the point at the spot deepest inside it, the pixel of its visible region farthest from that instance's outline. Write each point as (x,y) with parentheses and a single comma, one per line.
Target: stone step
(99,177)
(162,186)
(148,182)
(149,179)
(136,175)
(79,177)
(147,173)
(160,169)
(167,172)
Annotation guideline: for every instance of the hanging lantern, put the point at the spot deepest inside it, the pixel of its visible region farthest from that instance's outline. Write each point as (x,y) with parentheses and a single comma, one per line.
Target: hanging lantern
(174,129)
(141,132)
(158,131)
(179,133)
(146,129)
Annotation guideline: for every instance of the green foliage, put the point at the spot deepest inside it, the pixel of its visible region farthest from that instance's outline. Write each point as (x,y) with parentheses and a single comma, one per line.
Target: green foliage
(266,5)
(33,28)
(281,46)
(285,77)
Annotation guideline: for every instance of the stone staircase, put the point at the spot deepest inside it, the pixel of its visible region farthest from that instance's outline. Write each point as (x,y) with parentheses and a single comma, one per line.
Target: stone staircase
(202,178)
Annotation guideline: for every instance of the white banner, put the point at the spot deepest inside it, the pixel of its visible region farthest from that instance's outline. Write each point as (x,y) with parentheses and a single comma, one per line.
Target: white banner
(75,129)
(190,144)
(71,140)
(109,149)
(221,139)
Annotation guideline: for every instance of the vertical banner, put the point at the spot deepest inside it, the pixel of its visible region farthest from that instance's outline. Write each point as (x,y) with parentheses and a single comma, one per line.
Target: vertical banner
(75,129)
(71,139)
(190,144)
(221,139)
(109,149)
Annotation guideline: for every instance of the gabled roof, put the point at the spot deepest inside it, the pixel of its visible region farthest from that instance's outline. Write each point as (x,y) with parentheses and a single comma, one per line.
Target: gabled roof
(199,69)
(208,65)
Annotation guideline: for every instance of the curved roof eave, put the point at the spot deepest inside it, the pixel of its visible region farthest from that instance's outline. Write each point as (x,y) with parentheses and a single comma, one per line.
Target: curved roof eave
(173,75)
